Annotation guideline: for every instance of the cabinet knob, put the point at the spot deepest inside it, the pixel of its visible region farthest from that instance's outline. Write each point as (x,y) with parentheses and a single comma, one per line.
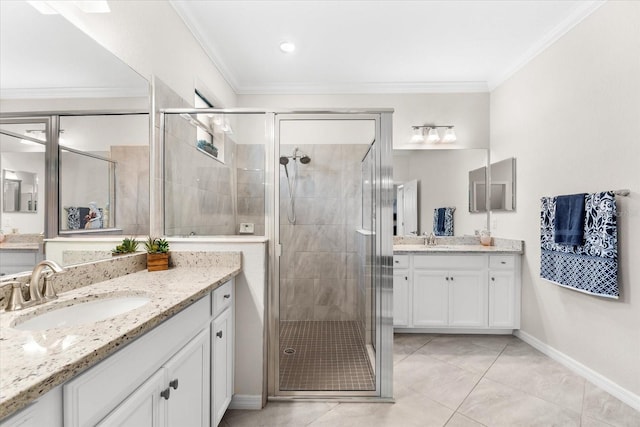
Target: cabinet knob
(166,393)
(493,279)
(397,262)
(174,384)
(447,279)
(219,334)
(503,262)
(406,278)
(452,278)
(227,296)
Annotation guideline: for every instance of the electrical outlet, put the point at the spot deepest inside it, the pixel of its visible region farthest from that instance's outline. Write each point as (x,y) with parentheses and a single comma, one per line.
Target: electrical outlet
(246,228)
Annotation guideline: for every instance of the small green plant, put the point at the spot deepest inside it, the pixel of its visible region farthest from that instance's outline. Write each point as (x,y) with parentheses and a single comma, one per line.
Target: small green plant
(156,245)
(128,245)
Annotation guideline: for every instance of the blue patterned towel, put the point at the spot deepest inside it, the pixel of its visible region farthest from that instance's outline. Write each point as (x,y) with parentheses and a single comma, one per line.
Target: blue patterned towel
(443,221)
(593,266)
(569,220)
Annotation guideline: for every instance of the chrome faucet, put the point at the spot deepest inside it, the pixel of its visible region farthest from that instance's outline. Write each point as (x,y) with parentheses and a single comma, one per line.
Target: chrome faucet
(16,301)
(429,240)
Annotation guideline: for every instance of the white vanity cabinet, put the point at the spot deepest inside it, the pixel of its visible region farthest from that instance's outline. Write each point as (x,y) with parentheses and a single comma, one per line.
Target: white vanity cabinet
(171,376)
(504,291)
(222,351)
(457,292)
(401,281)
(177,394)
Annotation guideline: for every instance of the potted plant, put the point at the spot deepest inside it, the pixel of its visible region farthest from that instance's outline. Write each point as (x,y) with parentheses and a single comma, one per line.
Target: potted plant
(128,245)
(157,254)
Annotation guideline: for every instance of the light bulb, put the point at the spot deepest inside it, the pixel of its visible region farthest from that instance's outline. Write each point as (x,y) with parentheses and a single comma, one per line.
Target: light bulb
(418,136)
(449,135)
(287,47)
(433,135)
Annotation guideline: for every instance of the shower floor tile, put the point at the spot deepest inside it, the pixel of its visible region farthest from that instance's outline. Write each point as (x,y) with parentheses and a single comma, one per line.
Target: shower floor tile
(323,356)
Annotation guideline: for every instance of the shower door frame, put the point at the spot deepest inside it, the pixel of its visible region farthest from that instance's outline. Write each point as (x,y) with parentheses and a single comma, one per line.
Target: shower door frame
(383,270)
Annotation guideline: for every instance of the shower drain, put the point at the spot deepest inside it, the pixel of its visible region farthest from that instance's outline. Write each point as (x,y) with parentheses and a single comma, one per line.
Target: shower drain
(289,351)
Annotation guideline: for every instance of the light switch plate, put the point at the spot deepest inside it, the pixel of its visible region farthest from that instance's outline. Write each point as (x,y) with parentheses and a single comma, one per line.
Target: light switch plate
(246,228)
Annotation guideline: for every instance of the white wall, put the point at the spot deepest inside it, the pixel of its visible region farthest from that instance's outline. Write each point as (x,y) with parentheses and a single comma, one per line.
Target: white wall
(571,117)
(151,38)
(444,182)
(468,112)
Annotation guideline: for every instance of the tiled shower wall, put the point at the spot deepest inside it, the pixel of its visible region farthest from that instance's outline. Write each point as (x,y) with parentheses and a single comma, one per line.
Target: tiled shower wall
(250,162)
(200,196)
(319,262)
(132,188)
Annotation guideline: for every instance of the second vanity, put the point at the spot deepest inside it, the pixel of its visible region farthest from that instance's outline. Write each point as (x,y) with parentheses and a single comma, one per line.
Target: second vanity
(168,362)
(463,288)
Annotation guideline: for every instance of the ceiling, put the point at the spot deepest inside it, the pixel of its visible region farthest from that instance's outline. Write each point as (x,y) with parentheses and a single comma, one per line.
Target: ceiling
(376,46)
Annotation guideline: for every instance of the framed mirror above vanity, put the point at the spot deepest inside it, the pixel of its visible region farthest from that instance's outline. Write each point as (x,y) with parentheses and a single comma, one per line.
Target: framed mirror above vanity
(442,182)
(74,131)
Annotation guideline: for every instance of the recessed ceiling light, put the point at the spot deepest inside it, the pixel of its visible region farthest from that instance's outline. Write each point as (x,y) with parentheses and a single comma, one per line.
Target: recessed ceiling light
(287,47)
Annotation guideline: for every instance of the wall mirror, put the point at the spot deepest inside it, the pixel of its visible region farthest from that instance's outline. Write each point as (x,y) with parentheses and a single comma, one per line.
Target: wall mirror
(443,177)
(502,196)
(19,191)
(59,69)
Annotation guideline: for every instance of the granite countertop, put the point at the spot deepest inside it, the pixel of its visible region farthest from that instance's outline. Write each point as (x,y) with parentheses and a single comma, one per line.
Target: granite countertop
(34,362)
(19,246)
(454,249)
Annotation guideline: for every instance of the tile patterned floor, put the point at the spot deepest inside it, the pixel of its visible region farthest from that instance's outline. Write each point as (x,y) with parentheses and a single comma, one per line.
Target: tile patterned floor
(462,381)
(326,356)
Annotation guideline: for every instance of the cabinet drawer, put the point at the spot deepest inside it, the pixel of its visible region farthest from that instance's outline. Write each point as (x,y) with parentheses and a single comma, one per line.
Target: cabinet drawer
(401,261)
(502,262)
(222,298)
(446,262)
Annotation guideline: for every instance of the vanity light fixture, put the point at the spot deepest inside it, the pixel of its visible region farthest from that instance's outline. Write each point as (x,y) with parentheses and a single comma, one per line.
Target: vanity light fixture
(432,135)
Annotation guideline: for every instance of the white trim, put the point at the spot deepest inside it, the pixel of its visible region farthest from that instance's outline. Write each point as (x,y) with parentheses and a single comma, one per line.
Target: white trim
(246,401)
(209,49)
(358,88)
(585,9)
(592,376)
(478,331)
(73,92)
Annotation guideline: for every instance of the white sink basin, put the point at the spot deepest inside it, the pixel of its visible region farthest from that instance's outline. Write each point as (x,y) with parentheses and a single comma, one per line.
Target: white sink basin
(81,313)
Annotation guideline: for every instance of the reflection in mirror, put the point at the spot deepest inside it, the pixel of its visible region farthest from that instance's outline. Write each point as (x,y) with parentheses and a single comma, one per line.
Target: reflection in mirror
(104,174)
(48,65)
(502,197)
(19,191)
(406,209)
(503,189)
(443,176)
(478,190)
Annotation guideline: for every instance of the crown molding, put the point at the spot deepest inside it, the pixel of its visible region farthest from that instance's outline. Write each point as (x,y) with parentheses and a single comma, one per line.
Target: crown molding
(190,22)
(585,9)
(67,92)
(364,88)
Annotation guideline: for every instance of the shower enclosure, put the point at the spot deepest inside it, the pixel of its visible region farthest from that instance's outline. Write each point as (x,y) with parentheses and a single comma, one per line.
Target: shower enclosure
(318,185)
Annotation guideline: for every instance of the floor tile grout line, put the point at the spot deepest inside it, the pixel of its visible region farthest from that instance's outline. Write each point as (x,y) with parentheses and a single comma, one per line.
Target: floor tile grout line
(476,385)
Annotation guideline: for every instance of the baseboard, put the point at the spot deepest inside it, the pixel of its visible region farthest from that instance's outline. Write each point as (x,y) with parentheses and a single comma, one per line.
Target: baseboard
(592,376)
(246,401)
(478,331)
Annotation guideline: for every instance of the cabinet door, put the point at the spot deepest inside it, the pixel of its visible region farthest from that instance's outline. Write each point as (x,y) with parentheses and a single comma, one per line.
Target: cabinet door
(502,299)
(143,408)
(400,297)
(430,298)
(467,298)
(188,382)
(222,364)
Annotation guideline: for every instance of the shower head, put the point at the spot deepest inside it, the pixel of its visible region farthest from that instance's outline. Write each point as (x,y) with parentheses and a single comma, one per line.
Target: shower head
(284,160)
(304,159)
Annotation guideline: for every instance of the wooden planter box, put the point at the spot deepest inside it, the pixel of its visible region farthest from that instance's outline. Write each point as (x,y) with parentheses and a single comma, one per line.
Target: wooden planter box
(157,262)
